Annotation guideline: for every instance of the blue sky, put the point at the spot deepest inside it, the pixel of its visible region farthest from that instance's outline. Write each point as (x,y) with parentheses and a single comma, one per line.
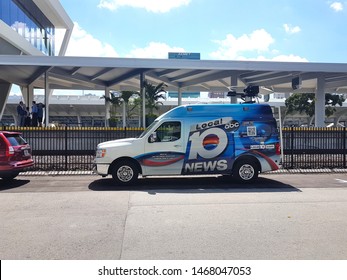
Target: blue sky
(281,30)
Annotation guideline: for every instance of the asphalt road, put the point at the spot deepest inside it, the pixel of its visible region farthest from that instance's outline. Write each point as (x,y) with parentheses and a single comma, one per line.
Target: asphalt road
(283,216)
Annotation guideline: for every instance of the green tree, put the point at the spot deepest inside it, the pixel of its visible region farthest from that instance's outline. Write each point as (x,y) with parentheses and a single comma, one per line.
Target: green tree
(127,97)
(132,103)
(153,94)
(305,103)
(116,101)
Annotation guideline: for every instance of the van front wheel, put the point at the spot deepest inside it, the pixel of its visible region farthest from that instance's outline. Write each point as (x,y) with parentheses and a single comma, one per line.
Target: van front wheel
(125,173)
(245,171)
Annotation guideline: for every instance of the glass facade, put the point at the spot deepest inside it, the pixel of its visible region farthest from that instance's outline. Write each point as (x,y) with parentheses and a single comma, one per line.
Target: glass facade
(27,20)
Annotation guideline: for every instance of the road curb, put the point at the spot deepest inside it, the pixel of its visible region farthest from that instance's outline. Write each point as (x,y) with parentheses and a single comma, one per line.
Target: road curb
(55,173)
(308,171)
(280,171)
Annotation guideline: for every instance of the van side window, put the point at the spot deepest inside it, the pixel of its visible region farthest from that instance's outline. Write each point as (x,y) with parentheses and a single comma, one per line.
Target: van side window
(168,132)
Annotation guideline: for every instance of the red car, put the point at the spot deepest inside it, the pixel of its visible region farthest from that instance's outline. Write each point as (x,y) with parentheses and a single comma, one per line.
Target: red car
(15,155)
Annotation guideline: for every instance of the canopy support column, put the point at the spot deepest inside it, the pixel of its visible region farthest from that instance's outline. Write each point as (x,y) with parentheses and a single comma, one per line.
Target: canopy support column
(28,95)
(5,89)
(143,95)
(107,107)
(47,95)
(233,83)
(179,99)
(320,102)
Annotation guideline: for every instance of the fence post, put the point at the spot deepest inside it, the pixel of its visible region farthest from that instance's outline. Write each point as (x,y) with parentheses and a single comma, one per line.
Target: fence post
(344,147)
(292,147)
(65,168)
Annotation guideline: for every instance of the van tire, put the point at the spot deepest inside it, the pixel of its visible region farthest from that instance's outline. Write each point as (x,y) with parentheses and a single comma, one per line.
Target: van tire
(125,172)
(246,170)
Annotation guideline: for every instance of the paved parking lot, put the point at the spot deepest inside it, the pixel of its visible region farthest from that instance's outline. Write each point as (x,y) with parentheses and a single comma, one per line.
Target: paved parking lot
(283,216)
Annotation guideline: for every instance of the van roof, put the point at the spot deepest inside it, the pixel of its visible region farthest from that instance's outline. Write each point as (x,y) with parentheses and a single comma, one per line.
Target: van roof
(218,110)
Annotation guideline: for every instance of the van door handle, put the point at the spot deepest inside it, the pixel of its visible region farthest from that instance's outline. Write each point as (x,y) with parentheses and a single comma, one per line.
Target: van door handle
(176,146)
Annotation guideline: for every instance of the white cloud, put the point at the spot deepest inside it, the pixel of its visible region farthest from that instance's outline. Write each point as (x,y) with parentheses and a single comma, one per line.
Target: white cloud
(232,47)
(155,6)
(255,43)
(84,44)
(282,58)
(154,50)
(337,6)
(290,29)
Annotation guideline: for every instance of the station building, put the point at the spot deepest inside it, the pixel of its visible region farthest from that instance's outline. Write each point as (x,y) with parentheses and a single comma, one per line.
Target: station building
(28,27)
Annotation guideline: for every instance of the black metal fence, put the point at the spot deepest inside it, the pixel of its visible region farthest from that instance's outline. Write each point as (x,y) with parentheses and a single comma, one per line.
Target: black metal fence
(314,148)
(73,148)
(68,148)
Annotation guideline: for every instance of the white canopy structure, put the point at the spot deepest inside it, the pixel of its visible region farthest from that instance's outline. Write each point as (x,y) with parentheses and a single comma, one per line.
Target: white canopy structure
(100,73)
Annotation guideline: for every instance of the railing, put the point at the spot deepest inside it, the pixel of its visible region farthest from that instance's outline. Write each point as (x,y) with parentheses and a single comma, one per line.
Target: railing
(73,148)
(314,147)
(68,148)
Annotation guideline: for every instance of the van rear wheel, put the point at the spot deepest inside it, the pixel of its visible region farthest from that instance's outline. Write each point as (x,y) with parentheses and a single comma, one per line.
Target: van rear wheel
(125,172)
(245,171)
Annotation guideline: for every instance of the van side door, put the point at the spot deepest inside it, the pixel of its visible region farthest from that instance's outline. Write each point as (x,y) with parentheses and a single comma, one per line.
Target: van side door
(164,149)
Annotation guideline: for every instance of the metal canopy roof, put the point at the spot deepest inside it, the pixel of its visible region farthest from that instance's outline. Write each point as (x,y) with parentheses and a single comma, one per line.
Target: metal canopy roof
(188,75)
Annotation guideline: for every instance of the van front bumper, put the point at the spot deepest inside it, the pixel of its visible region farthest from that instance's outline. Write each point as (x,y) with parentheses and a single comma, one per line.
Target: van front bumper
(101,169)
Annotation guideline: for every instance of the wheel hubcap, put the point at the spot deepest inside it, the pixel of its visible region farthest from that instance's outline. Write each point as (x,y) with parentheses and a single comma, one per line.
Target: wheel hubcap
(246,172)
(125,173)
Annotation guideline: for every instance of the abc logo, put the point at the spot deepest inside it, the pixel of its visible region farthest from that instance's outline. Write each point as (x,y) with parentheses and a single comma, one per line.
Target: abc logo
(232,126)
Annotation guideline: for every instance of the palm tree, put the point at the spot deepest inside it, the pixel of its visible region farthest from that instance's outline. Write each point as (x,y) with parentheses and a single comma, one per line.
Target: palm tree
(152,95)
(131,103)
(118,100)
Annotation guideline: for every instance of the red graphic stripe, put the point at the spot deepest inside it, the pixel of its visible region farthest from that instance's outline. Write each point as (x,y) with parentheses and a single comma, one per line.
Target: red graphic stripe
(149,162)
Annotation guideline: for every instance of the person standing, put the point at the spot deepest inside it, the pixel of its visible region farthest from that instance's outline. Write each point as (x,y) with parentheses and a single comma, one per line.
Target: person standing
(34,111)
(21,114)
(40,107)
(27,117)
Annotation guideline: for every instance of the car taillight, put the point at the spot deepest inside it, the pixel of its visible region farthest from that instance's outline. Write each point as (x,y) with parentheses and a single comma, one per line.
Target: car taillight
(10,151)
(278,149)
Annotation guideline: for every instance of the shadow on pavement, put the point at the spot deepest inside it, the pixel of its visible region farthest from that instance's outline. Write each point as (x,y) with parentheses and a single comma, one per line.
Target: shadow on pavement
(15,183)
(194,185)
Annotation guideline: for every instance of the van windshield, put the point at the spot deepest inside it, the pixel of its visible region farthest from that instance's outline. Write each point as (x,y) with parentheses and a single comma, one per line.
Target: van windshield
(148,129)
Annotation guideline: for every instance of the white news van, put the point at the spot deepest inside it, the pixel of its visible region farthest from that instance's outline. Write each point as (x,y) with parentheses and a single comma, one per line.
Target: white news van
(241,140)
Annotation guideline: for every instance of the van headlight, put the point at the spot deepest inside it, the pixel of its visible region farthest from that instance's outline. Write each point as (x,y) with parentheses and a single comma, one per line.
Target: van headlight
(100,153)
